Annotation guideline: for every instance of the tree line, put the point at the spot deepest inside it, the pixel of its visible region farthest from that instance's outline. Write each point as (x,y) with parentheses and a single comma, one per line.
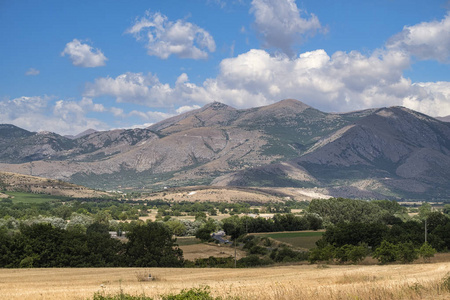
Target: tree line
(42,245)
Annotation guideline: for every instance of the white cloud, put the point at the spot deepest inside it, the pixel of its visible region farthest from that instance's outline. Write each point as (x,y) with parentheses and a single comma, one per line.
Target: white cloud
(32,72)
(186,108)
(427,40)
(145,125)
(281,25)
(432,98)
(83,55)
(164,37)
(43,114)
(133,88)
(340,82)
(151,115)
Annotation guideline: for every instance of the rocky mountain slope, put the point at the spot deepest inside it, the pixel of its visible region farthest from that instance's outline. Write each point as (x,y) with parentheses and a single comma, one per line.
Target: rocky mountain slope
(377,153)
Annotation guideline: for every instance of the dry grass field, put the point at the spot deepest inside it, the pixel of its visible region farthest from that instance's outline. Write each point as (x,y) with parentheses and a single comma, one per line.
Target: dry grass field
(236,194)
(417,281)
(39,185)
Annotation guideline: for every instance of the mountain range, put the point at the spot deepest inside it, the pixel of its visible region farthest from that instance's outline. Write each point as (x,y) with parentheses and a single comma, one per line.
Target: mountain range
(393,152)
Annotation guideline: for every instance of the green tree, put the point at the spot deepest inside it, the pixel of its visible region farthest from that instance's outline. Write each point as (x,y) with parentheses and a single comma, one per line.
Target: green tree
(426,252)
(203,234)
(152,245)
(386,252)
(176,227)
(357,253)
(406,253)
(424,210)
(233,227)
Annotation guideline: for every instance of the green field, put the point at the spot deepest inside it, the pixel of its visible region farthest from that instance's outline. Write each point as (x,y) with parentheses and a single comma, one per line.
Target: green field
(21,197)
(300,239)
(185,241)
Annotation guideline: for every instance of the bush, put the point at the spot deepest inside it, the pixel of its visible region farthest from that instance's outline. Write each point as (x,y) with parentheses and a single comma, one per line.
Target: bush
(426,252)
(387,252)
(258,250)
(192,294)
(323,253)
(253,261)
(285,254)
(403,252)
(120,296)
(357,253)
(406,253)
(445,285)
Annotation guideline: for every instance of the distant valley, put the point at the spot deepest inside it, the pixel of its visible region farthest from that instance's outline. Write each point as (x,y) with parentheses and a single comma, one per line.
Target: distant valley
(393,153)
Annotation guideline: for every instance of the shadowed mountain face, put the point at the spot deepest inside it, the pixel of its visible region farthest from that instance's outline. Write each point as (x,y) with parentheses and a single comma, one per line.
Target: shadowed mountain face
(376,153)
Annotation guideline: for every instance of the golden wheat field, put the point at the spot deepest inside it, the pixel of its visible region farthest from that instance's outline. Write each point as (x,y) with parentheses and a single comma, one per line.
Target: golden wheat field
(417,281)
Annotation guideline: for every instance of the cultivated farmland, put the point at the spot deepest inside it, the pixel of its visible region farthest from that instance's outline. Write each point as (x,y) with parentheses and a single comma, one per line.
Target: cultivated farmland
(417,281)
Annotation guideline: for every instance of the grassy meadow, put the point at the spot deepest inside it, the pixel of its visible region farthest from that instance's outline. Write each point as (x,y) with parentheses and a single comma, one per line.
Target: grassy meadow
(417,281)
(22,197)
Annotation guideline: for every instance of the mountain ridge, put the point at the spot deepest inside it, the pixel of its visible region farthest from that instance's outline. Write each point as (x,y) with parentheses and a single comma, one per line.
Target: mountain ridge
(390,152)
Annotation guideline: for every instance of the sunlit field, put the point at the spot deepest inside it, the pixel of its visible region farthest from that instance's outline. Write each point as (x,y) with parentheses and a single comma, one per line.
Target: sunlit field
(417,281)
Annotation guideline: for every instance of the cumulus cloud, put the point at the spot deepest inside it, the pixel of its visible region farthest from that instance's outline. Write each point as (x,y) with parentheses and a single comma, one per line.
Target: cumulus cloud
(133,88)
(186,108)
(180,38)
(427,40)
(340,82)
(83,55)
(32,72)
(281,24)
(44,114)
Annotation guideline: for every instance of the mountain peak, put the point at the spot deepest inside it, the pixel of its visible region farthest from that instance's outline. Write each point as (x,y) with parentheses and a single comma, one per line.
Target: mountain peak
(86,132)
(216,106)
(289,104)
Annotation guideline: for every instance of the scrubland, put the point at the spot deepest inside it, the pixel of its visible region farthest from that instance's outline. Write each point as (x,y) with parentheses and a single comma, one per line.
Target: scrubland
(319,282)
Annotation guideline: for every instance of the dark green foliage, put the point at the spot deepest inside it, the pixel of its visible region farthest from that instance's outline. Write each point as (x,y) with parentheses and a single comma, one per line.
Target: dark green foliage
(286,254)
(201,293)
(339,210)
(120,296)
(152,245)
(355,233)
(192,294)
(204,234)
(236,226)
(402,252)
(315,222)
(386,253)
(407,253)
(253,260)
(211,262)
(42,245)
(357,253)
(426,252)
(436,219)
(410,231)
(343,254)
(325,252)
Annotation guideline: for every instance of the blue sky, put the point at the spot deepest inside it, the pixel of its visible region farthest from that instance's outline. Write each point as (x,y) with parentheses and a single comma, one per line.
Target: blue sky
(68,66)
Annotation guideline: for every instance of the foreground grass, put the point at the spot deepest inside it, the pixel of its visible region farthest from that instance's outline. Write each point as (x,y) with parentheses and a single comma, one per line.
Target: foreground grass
(417,281)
